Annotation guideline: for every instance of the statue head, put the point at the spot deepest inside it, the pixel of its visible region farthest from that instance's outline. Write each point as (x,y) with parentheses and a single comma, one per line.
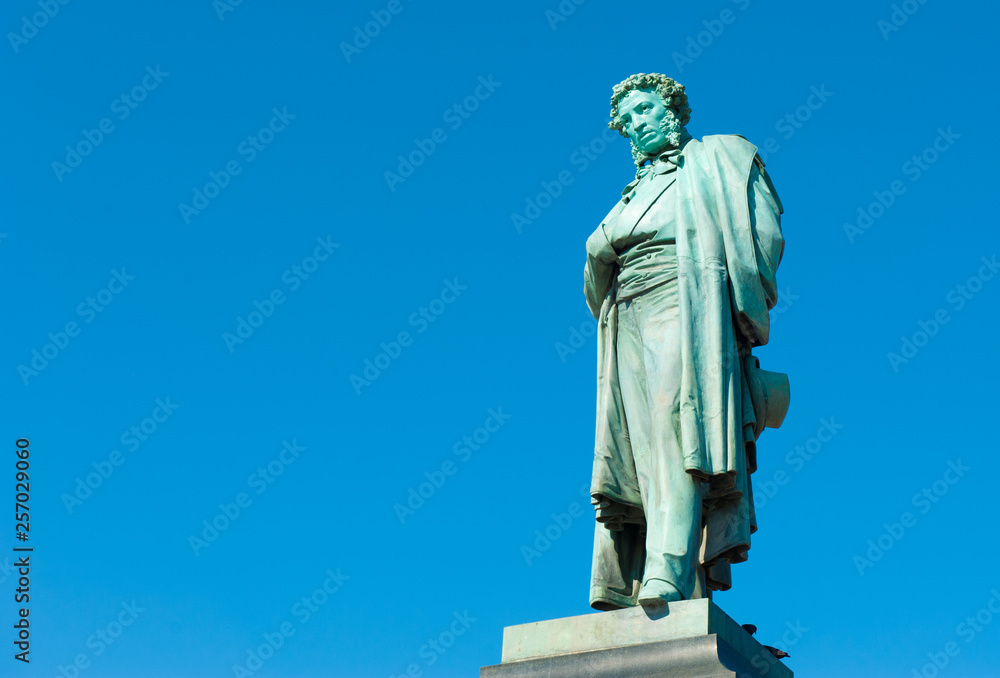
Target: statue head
(651,110)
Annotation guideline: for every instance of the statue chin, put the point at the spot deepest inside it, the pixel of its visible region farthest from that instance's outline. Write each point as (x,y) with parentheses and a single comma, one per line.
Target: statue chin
(653,150)
(672,130)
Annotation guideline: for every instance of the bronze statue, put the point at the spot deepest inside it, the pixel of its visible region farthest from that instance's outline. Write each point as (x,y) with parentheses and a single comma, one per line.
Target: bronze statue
(680,275)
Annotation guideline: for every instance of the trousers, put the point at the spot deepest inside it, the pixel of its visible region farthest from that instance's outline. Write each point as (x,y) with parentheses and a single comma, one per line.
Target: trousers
(649,367)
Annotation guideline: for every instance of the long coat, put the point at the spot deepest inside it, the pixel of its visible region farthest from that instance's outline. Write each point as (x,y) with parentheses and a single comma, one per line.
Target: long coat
(729,244)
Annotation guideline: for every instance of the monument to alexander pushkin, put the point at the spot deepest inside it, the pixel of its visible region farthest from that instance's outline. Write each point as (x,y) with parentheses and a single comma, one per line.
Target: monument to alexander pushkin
(680,276)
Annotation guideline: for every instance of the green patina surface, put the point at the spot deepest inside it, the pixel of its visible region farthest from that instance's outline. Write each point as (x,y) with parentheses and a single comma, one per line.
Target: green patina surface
(681,276)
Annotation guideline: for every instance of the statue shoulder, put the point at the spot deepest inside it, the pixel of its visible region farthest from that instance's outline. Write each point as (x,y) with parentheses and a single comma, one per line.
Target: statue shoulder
(730,142)
(731,149)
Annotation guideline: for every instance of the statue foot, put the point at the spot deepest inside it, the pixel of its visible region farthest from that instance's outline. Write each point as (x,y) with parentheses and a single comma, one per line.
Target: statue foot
(657,592)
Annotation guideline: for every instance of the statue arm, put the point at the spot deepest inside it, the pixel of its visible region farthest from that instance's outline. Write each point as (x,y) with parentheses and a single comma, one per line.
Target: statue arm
(768,243)
(765,220)
(599,271)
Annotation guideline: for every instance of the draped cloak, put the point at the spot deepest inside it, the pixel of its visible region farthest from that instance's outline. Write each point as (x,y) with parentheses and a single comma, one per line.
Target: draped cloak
(729,245)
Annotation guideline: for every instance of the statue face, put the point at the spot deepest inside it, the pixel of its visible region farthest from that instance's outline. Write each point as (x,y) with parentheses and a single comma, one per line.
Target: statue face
(646,121)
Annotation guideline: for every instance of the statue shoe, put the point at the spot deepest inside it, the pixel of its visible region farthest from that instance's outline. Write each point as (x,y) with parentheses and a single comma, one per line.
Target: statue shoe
(657,592)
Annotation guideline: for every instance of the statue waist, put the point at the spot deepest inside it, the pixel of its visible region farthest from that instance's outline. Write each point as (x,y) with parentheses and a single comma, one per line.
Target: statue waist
(645,267)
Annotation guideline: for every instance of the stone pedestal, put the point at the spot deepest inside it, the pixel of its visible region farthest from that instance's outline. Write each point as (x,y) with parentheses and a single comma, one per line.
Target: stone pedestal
(687,639)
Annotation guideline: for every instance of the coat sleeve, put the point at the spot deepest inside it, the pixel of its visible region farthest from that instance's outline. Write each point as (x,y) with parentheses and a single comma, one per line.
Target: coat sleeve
(754,246)
(769,244)
(599,271)
(737,196)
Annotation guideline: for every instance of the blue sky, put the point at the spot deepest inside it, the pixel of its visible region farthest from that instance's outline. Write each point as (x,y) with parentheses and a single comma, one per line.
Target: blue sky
(248,211)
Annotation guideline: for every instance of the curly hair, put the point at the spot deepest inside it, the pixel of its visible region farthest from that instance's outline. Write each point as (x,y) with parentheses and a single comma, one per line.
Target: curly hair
(671,91)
